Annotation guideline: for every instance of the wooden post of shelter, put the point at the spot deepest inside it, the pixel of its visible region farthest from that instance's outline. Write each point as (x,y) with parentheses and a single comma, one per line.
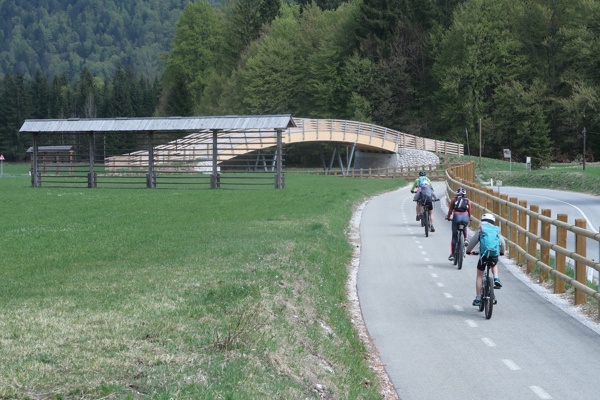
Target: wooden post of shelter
(91,173)
(278,153)
(214,179)
(151,174)
(35,172)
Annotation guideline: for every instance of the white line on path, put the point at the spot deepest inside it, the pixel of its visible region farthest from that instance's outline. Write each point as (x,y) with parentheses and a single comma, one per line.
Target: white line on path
(440,284)
(488,342)
(541,393)
(426,259)
(511,365)
(434,275)
(448,295)
(471,323)
(458,308)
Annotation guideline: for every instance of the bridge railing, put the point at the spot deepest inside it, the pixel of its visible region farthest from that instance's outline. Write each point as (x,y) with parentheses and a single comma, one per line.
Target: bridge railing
(528,234)
(375,135)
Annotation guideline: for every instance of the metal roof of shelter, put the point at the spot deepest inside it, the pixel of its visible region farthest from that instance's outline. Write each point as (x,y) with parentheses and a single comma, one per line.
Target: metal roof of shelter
(157,124)
(51,149)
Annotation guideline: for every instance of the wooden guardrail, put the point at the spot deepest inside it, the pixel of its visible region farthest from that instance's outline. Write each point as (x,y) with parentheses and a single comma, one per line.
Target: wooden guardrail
(527,233)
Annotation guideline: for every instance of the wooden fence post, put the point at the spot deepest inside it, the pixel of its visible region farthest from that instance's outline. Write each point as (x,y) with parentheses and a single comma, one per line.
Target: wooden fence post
(561,240)
(580,273)
(512,231)
(545,251)
(521,236)
(504,215)
(531,243)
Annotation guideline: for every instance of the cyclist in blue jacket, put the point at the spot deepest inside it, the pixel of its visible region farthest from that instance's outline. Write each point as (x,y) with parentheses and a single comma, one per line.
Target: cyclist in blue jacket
(486,219)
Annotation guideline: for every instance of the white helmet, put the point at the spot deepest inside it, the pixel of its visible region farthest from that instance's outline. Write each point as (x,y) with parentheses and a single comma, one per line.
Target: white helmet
(487,217)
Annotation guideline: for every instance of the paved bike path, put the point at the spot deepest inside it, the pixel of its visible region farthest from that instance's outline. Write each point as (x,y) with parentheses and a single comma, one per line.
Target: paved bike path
(433,343)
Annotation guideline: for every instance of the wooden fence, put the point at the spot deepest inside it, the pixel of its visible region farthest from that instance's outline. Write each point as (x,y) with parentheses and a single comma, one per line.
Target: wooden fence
(527,232)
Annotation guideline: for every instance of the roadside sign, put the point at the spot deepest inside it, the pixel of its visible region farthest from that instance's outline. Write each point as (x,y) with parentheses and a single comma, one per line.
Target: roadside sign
(507,153)
(1,157)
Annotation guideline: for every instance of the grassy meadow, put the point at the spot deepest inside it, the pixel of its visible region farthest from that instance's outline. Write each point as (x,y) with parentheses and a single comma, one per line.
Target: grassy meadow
(198,294)
(571,177)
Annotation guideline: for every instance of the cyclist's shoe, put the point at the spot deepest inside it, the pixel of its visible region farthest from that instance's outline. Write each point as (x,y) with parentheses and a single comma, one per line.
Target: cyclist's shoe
(476,302)
(432,228)
(418,217)
(466,243)
(497,283)
(451,257)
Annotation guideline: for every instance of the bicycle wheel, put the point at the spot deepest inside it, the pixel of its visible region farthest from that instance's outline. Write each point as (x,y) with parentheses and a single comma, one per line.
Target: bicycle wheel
(426,221)
(489,301)
(460,250)
(482,295)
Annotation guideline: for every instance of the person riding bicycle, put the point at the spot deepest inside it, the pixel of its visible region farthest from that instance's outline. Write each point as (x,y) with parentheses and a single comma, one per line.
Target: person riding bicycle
(491,245)
(460,210)
(424,194)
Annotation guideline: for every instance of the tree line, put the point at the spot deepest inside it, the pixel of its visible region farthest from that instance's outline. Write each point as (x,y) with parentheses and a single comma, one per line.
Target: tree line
(522,72)
(125,94)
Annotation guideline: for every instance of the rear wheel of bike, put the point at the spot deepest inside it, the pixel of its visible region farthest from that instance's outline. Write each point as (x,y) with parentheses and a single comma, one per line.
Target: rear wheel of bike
(489,301)
(460,250)
(482,295)
(426,221)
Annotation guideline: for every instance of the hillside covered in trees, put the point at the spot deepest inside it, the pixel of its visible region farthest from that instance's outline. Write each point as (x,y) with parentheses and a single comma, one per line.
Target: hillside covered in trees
(525,71)
(60,37)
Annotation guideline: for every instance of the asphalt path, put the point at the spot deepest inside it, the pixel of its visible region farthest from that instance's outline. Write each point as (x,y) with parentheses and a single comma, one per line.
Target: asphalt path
(435,345)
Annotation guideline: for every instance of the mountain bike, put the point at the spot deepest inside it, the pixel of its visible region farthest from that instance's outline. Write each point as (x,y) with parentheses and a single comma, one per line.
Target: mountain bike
(459,246)
(426,207)
(488,298)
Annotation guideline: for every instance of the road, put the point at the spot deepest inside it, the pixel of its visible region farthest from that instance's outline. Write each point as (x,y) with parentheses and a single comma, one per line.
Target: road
(417,309)
(576,206)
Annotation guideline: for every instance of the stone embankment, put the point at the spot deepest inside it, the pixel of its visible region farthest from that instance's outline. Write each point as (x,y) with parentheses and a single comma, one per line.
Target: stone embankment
(405,158)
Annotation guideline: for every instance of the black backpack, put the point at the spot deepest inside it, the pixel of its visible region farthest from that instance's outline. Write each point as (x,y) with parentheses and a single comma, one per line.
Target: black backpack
(461,203)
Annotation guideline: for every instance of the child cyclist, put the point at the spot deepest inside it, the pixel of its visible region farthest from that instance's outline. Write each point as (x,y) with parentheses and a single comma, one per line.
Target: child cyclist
(460,210)
(491,245)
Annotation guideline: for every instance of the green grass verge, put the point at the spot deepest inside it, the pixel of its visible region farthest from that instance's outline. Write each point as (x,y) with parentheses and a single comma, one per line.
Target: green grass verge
(571,177)
(180,294)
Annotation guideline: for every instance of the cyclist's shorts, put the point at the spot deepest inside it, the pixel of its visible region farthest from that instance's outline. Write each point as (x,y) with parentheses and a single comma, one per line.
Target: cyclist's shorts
(483,260)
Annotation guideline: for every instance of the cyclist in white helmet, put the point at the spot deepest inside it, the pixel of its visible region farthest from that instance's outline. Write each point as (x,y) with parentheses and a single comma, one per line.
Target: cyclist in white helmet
(486,230)
(460,210)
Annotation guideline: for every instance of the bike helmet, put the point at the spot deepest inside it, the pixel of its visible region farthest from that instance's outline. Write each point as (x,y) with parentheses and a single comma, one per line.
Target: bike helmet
(461,192)
(488,218)
(422,173)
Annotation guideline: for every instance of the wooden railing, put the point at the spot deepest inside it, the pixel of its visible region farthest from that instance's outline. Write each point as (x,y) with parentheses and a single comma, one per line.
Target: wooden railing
(527,233)
(365,134)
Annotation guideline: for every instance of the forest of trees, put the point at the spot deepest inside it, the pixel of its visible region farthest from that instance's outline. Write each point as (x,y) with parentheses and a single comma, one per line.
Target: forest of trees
(525,71)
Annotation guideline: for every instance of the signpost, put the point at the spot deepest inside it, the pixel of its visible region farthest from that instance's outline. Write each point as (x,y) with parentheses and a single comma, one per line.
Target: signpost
(1,164)
(509,156)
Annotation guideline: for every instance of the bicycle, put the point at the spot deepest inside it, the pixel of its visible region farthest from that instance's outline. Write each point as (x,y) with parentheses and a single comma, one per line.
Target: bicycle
(459,247)
(488,298)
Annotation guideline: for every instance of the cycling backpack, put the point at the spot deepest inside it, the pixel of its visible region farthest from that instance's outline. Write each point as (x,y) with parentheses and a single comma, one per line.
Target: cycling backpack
(489,240)
(461,203)
(423,180)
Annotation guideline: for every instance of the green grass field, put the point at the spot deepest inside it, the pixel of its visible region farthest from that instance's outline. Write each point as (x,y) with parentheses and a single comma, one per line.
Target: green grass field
(199,294)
